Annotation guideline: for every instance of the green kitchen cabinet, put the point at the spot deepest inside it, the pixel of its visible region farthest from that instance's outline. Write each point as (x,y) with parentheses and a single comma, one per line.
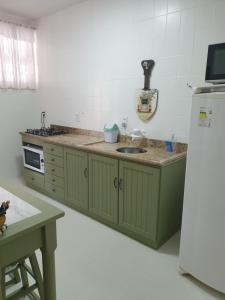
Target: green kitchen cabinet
(151,200)
(58,181)
(76,178)
(142,201)
(171,193)
(138,199)
(34,179)
(54,171)
(54,191)
(53,159)
(55,150)
(103,187)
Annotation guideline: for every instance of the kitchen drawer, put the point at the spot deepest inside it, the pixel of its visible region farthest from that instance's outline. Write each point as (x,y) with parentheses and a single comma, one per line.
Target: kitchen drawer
(54,170)
(53,149)
(53,159)
(54,190)
(34,178)
(58,181)
(31,140)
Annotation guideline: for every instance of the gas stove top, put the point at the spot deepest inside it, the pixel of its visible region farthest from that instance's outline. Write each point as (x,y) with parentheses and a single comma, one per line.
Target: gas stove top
(45,131)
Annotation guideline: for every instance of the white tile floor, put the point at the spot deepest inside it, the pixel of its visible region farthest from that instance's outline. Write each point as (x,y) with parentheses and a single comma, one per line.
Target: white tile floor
(94,262)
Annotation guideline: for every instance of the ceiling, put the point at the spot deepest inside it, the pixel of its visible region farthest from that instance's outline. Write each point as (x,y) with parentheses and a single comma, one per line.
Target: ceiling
(34,9)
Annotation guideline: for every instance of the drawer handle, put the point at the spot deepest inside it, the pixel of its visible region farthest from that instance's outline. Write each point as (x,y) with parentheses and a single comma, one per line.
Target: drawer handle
(53,190)
(53,170)
(53,180)
(52,149)
(53,159)
(121,184)
(33,178)
(115,182)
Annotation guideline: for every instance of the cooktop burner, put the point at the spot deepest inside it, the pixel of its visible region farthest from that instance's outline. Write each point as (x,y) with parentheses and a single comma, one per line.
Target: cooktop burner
(45,131)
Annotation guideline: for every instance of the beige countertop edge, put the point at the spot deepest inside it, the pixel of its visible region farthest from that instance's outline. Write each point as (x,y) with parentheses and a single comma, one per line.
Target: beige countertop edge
(86,147)
(134,157)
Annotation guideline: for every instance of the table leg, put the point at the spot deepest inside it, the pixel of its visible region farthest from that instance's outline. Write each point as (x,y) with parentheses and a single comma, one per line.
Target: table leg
(2,284)
(49,276)
(16,276)
(24,276)
(37,274)
(48,259)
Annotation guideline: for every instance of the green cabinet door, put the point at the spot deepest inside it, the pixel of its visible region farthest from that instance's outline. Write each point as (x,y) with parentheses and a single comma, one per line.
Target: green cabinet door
(103,187)
(76,178)
(138,199)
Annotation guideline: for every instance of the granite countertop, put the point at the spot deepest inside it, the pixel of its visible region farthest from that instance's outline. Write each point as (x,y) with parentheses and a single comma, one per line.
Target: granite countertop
(156,154)
(153,156)
(69,139)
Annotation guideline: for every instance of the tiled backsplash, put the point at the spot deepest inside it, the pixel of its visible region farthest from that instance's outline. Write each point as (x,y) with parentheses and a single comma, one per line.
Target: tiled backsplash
(90,57)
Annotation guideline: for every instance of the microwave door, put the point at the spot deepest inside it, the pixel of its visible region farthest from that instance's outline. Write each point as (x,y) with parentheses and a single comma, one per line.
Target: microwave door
(32,159)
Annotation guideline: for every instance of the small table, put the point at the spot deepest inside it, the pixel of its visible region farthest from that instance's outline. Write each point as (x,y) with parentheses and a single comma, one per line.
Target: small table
(37,232)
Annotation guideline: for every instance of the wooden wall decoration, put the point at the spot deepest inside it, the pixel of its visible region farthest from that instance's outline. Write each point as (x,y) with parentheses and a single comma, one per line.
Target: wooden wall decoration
(147,101)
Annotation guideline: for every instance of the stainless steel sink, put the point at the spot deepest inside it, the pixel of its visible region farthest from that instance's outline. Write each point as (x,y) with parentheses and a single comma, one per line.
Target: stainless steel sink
(131,150)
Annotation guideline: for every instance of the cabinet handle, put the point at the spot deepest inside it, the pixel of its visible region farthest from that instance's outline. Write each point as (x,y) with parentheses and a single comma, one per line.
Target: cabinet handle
(52,149)
(53,170)
(115,182)
(53,180)
(86,172)
(32,178)
(53,190)
(121,184)
(53,159)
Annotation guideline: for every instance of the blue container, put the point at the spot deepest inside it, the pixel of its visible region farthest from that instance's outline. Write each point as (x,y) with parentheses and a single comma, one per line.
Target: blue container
(169,146)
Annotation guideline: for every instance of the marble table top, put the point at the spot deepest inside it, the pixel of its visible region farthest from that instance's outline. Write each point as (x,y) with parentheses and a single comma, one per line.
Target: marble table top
(18,209)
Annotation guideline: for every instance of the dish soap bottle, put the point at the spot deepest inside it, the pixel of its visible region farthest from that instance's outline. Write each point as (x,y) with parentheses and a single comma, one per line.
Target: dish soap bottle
(170,144)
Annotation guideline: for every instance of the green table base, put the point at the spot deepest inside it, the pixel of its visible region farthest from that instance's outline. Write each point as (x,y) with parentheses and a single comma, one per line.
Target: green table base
(22,239)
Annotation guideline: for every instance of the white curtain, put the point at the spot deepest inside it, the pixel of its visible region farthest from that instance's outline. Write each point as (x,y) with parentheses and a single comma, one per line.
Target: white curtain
(18,68)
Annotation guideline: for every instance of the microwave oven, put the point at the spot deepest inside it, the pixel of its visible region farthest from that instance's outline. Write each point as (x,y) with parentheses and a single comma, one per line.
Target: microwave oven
(33,158)
(215,68)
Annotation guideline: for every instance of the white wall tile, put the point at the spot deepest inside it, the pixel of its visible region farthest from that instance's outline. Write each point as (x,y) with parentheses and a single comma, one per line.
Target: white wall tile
(204,17)
(177,5)
(90,57)
(183,65)
(166,66)
(187,31)
(174,5)
(146,9)
(158,27)
(172,33)
(145,38)
(160,7)
(218,23)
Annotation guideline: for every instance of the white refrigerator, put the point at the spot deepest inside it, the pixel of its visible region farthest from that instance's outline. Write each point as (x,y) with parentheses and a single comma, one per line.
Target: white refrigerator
(202,250)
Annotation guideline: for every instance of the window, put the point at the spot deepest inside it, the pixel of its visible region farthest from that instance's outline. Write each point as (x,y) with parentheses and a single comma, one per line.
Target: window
(18,69)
